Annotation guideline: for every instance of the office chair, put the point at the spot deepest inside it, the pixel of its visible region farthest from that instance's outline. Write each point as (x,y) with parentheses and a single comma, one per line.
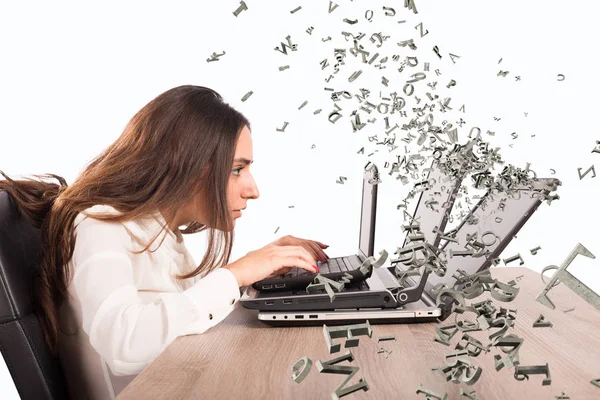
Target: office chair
(35,372)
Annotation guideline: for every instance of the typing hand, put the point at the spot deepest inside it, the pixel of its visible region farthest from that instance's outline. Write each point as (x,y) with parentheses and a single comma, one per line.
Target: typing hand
(258,264)
(314,247)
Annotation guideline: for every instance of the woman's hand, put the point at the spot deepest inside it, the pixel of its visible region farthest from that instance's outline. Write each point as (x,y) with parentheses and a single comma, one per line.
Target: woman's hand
(269,260)
(313,247)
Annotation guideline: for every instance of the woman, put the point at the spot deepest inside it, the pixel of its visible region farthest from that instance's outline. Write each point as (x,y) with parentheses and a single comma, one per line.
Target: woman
(116,284)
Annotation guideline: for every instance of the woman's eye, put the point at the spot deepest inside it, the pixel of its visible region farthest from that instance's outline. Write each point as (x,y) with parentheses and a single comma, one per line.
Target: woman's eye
(237,171)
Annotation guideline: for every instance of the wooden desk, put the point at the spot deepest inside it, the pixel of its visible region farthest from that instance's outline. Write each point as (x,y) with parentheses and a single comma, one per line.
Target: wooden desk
(243,358)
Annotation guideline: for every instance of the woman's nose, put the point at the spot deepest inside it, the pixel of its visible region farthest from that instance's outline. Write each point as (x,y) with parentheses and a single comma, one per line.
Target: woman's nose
(254,192)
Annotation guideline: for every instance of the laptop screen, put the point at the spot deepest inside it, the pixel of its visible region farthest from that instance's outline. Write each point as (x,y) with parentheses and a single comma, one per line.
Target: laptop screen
(496,219)
(366,238)
(493,222)
(437,195)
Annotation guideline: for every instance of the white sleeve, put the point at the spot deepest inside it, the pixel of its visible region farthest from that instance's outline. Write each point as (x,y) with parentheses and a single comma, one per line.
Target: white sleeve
(125,332)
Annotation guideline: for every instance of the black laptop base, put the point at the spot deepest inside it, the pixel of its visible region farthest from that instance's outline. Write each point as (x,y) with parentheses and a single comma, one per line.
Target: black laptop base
(304,278)
(319,300)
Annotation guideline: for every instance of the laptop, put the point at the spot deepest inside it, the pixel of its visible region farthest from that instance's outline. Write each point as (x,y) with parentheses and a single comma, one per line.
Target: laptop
(377,290)
(503,222)
(498,217)
(520,210)
(338,267)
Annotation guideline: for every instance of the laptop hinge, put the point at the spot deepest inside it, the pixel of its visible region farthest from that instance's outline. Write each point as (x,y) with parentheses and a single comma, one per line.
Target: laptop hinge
(416,291)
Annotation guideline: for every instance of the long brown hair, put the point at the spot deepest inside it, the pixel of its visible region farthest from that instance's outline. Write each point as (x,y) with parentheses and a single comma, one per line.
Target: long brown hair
(156,164)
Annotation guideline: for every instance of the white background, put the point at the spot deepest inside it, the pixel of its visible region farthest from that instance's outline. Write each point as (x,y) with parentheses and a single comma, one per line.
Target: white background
(72,76)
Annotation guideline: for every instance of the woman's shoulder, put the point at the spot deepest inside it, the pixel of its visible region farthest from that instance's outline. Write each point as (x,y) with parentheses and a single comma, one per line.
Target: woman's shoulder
(94,211)
(99,209)
(86,220)
(142,229)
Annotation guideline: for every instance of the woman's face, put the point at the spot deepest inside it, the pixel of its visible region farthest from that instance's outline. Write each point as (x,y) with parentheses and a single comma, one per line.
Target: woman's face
(240,188)
(241,185)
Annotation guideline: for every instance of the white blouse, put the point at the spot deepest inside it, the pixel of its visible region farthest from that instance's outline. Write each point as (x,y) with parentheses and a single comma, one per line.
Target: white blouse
(125,309)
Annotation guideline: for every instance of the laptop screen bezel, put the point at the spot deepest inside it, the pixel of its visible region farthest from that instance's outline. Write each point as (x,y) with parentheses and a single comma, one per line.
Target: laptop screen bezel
(368,207)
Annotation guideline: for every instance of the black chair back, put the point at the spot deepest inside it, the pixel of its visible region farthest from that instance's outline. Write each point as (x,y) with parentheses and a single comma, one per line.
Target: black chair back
(35,372)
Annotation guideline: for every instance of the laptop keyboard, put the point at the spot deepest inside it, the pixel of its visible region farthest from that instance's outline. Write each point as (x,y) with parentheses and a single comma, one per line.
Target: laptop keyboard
(332,265)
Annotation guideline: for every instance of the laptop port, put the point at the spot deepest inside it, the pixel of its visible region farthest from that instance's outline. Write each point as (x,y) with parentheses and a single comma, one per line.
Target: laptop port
(313,316)
(279,285)
(270,302)
(429,313)
(267,286)
(287,301)
(299,316)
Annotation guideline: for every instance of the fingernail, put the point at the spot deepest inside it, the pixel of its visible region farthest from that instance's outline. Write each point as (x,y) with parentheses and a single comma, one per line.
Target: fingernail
(316,268)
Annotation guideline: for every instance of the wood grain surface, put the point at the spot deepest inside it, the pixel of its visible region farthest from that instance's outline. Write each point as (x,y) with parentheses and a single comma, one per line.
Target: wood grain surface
(244,358)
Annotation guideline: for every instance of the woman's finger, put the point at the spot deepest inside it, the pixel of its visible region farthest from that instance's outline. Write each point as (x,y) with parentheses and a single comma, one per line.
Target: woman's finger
(300,262)
(320,247)
(311,249)
(298,251)
(319,254)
